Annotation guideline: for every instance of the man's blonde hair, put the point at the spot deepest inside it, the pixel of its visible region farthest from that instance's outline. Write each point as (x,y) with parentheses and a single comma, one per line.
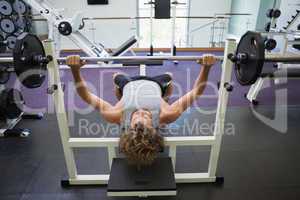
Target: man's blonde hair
(141,145)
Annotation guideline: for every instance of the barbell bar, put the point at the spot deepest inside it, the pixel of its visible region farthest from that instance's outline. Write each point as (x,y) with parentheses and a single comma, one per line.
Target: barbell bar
(119,59)
(244,57)
(6,60)
(141,58)
(273,58)
(291,59)
(249,58)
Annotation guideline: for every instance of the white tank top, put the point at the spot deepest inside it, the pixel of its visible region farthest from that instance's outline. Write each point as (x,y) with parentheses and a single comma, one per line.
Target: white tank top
(141,94)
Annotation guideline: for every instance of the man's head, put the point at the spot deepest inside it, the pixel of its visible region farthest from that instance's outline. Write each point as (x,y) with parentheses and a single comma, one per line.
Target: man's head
(143,117)
(141,144)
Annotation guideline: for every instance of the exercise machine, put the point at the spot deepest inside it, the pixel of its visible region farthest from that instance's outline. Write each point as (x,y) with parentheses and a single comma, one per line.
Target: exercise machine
(70,27)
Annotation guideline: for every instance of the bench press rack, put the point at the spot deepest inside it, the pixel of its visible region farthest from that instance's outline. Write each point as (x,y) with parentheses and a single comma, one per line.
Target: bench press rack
(69,143)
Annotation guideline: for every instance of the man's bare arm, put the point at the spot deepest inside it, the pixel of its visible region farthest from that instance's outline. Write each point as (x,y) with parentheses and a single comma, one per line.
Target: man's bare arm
(175,110)
(110,113)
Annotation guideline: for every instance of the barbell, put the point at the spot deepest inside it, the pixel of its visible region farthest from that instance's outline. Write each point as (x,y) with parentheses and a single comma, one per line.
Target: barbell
(249,58)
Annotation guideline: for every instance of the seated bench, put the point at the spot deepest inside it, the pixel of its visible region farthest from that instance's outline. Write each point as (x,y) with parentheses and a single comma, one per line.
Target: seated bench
(155,180)
(125,46)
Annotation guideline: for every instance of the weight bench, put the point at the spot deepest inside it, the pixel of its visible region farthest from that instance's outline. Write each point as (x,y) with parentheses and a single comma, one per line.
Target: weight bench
(289,73)
(155,180)
(125,47)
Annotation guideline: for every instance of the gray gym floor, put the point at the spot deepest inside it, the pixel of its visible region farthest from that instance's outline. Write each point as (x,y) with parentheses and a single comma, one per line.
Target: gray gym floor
(257,161)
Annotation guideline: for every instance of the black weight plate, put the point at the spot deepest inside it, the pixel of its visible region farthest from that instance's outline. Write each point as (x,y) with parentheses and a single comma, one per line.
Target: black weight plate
(12,103)
(11,41)
(65,28)
(20,7)
(31,74)
(252,44)
(276,13)
(7,25)
(5,8)
(3,44)
(23,23)
(269,13)
(4,75)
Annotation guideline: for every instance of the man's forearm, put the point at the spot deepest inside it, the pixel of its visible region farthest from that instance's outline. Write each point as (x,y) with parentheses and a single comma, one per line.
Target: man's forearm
(77,76)
(81,86)
(86,95)
(201,81)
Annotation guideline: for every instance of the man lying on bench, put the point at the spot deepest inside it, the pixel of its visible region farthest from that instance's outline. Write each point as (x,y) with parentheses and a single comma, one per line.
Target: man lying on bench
(142,108)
